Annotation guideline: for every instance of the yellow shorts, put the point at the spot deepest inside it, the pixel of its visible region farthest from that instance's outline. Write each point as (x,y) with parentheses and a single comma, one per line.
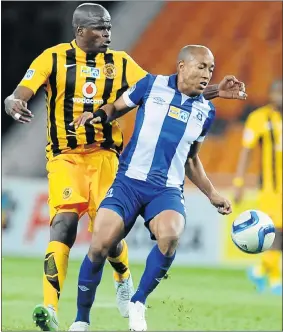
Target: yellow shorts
(271,204)
(79,180)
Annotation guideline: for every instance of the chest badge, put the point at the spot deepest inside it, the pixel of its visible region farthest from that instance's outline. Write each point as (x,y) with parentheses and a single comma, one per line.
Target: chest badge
(109,70)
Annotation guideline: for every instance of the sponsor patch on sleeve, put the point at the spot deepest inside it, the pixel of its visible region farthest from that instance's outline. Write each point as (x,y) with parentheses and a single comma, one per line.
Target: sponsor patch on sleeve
(29,74)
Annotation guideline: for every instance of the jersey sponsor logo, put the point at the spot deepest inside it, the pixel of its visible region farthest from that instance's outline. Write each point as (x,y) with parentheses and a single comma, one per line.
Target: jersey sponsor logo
(89,89)
(178,114)
(29,74)
(88,101)
(184,116)
(174,112)
(109,70)
(158,100)
(90,72)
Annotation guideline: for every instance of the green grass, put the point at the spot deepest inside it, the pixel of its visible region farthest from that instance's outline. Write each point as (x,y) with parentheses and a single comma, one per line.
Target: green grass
(190,299)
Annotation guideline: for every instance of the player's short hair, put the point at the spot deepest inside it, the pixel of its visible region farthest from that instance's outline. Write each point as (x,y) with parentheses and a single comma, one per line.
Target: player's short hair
(187,52)
(84,14)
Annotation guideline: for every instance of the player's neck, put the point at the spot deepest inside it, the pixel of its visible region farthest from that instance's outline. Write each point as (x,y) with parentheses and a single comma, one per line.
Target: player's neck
(185,88)
(83,46)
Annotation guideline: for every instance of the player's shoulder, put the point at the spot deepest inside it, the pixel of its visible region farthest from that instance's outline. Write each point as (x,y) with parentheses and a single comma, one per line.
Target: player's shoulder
(62,47)
(259,113)
(119,54)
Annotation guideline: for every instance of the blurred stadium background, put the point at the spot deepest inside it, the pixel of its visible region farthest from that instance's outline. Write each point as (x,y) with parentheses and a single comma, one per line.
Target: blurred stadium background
(208,290)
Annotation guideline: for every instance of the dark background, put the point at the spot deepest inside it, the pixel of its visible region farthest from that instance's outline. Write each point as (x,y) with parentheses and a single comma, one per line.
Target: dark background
(28,28)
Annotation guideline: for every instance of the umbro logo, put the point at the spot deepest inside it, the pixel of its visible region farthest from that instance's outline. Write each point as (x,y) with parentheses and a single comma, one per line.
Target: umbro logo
(83,288)
(158,100)
(158,279)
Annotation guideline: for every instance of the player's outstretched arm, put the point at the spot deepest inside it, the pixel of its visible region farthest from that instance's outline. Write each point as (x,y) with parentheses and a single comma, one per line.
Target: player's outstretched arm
(16,104)
(229,88)
(117,109)
(196,173)
(37,74)
(105,113)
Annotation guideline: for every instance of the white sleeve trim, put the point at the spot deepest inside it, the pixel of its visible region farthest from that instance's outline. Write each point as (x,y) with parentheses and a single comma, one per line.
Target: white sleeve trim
(200,139)
(127,100)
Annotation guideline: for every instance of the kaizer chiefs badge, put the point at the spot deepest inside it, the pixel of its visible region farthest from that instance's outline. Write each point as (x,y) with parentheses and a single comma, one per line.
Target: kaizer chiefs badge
(67,193)
(109,70)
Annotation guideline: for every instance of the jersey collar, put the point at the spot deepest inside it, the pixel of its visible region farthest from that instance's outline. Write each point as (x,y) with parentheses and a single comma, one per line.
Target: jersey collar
(74,45)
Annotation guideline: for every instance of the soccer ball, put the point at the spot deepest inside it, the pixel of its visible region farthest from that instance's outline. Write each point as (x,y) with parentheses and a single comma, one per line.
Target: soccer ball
(253,231)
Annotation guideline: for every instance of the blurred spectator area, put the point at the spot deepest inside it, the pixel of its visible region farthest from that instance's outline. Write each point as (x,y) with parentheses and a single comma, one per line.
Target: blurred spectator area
(246,39)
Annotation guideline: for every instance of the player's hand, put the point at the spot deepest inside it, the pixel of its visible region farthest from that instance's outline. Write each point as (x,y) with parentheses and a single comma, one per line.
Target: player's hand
(81,120)
(18,110)
(222,204)
(231,88)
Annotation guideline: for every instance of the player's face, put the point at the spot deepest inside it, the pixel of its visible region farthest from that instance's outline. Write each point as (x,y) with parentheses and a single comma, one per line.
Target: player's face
(197,72)
(97,36)
(276,96)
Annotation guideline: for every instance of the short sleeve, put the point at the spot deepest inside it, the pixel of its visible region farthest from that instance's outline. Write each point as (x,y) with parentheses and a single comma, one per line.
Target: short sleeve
(133,71)
(134,95)
(251,131)
(207,125)
(38,72)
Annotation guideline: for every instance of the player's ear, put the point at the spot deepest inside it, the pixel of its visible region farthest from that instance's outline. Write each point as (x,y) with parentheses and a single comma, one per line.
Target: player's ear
(180,65)
(80,31)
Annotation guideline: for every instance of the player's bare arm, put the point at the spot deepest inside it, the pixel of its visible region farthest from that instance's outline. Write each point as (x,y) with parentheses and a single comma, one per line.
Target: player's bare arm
(196,173)
(238,181)
(104,114)
(16,104)
(229,88)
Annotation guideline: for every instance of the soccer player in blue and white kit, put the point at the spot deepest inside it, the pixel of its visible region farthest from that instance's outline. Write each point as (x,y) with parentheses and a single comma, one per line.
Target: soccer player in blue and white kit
(172,121)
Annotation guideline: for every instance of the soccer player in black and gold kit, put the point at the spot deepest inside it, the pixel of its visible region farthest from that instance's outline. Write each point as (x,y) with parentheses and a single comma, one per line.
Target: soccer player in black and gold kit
(263,128)
(78,77)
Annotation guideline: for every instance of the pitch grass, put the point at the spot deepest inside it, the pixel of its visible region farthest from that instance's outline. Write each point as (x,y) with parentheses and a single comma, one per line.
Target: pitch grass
(192,299)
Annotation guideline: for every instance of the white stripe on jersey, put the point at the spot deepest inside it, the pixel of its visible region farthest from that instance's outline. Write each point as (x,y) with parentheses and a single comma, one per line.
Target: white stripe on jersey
(153,120)
(177,170)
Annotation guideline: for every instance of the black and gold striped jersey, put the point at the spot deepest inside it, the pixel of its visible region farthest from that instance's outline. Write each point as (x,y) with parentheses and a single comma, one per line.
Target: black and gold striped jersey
(264,128)
(77,82)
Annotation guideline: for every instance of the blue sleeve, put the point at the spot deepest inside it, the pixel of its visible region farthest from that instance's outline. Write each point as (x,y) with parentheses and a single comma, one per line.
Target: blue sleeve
(207,124)
(134,95)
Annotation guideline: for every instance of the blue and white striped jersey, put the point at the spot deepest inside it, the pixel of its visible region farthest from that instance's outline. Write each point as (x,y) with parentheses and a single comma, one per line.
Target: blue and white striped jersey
(167,124)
